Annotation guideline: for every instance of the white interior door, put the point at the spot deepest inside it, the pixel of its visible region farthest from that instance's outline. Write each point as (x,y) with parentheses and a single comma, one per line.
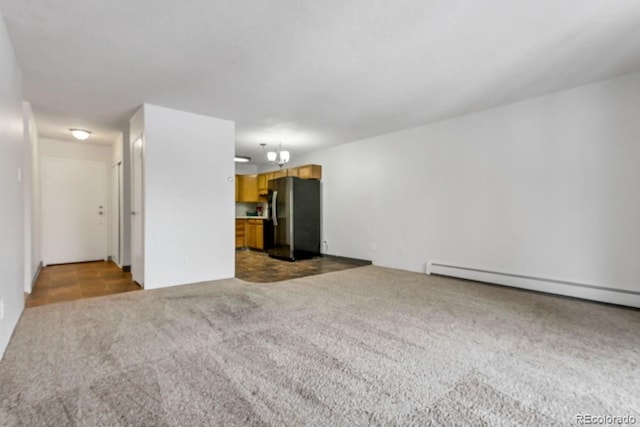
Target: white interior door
(137,212)
(74,211)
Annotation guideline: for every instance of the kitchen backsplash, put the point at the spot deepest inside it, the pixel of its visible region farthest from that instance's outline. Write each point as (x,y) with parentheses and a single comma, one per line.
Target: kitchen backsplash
(242,208)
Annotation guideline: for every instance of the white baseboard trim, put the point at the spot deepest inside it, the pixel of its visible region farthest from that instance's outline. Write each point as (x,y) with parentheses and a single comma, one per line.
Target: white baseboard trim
(541,284)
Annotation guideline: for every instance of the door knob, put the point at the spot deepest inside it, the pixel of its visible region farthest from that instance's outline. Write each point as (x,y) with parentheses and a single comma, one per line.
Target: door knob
(134,213)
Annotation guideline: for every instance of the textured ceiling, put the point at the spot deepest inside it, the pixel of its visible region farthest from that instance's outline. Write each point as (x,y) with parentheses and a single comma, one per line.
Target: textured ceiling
(309,74)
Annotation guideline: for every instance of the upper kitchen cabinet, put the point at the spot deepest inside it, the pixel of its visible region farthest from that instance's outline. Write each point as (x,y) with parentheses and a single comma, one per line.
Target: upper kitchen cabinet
(247,188)
(310,172)
(263,184)
(279,174)
(245,185)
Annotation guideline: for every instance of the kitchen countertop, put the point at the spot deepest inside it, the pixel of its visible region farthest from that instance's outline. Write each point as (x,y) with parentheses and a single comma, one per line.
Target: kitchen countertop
(252,217)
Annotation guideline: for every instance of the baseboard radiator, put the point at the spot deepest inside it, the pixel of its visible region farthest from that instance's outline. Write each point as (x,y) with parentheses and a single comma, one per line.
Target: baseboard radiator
(541,284)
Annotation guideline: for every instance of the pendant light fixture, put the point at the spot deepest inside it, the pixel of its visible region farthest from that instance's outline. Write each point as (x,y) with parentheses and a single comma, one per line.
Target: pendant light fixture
(280,157)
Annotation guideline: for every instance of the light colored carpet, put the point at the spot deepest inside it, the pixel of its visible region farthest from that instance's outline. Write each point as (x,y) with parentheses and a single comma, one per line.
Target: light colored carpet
(363,346)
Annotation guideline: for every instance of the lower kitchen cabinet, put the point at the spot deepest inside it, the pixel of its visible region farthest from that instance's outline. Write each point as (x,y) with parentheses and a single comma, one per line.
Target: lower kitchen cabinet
(260,235)
(254,231)
(240,233)
(250,233)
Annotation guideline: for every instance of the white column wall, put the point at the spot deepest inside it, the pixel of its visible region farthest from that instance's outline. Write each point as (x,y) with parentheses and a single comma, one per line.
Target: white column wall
(188,197)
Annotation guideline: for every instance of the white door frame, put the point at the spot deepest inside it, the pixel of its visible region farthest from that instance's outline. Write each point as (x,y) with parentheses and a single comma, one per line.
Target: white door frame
(116,223)
(137,214)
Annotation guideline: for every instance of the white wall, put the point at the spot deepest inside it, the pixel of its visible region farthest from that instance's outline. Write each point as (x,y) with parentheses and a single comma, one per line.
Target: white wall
(32,210)
(11,191)
(189,197)
(75,150)
(116,150)
(546,187)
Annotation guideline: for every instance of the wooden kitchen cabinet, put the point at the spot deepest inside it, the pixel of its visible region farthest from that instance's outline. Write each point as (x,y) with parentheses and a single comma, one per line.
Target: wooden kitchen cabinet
(251,233)
(255,231)
(260,235)
(253,188)
(304,172)
(310,172)
(240,233)
(246,188)
(263,184)
(279,173)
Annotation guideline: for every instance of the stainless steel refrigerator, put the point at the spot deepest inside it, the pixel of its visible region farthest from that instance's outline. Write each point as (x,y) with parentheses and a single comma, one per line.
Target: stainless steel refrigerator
(294,207)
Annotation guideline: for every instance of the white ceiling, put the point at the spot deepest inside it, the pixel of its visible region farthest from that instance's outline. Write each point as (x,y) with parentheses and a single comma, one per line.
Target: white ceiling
(309,74)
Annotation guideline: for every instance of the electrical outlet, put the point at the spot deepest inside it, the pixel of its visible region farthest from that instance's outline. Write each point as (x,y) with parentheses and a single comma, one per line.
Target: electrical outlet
(373,246)
(185,260)
(1,309)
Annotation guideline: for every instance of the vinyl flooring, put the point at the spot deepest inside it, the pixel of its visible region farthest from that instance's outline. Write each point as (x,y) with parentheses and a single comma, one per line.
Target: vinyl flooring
(68,282)
(255,266)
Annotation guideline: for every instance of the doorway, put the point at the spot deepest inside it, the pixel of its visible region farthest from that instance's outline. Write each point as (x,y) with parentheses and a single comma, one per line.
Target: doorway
(74,211)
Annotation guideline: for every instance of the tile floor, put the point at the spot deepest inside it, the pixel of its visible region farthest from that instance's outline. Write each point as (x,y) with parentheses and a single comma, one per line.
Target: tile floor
(68,282)
(258,267)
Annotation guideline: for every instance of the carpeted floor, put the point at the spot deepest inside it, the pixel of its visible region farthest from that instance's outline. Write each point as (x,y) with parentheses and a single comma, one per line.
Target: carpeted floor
(362,346)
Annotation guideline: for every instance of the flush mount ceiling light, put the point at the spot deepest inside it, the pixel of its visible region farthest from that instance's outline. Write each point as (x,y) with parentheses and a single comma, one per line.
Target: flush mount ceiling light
(242,159)
(80,134)
(280,157)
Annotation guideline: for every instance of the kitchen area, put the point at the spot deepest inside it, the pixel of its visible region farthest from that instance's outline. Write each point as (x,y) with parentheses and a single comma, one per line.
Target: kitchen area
(278,222)
(254,206)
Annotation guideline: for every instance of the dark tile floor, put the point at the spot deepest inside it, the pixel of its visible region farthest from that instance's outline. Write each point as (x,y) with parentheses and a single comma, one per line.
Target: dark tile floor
(258,267)
(68,282)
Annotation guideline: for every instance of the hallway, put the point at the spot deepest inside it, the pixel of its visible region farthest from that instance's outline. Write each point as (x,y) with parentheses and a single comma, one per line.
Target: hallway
(68,282)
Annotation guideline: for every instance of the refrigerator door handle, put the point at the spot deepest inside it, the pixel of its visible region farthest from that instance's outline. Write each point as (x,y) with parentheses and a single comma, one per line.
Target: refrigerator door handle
(274,211)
